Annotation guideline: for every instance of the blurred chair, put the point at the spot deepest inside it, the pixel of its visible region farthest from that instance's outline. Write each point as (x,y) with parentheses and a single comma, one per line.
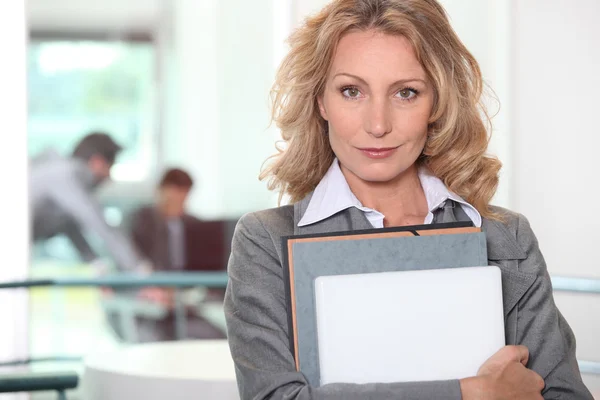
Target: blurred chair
(209,245)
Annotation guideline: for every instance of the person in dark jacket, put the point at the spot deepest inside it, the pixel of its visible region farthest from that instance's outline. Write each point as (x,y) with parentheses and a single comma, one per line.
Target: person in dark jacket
(170,237)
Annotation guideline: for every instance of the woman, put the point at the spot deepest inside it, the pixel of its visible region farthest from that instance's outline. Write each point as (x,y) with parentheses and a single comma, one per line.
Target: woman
(378,103)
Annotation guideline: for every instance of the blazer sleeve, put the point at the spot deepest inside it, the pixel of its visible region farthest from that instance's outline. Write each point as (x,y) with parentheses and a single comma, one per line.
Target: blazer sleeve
(542,328)
(256,318)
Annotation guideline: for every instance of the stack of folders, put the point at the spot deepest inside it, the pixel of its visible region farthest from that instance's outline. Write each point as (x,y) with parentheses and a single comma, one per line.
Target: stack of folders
(407,304)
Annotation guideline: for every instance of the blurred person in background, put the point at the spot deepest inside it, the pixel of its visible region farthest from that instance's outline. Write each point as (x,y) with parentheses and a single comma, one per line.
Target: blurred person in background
(170,237)
(159,230)
(61,190)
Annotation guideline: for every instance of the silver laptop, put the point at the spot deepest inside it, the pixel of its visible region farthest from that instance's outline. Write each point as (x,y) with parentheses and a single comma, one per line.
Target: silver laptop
(408,326)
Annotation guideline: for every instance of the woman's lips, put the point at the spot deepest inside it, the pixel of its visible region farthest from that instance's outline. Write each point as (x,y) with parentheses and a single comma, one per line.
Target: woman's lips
(378,153)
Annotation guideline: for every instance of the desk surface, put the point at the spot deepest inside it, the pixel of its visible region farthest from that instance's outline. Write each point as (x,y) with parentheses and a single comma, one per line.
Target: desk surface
(200,369)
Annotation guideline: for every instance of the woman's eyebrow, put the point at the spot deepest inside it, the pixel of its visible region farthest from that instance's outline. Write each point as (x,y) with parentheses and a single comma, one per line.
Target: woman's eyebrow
(361,80)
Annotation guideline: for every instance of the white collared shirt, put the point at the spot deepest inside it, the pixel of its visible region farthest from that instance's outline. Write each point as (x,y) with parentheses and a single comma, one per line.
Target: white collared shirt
(333,195)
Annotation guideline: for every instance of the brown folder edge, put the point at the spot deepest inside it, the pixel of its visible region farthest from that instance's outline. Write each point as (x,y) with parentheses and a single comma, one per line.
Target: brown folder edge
(293,303)
(288,268)
(288,280)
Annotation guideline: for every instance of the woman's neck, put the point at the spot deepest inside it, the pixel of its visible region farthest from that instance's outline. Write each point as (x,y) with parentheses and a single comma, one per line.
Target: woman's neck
(401,200)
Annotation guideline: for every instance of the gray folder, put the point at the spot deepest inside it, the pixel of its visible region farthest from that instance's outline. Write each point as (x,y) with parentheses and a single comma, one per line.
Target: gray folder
(412,248)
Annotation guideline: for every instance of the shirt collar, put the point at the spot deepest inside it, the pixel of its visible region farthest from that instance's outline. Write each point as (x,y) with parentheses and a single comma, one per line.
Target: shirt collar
(333,195)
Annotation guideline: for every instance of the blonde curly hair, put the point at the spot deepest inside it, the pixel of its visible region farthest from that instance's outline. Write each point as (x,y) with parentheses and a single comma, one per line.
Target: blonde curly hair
(458,135)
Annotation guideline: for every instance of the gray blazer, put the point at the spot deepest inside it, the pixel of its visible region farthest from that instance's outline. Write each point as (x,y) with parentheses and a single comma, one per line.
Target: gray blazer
(255,310)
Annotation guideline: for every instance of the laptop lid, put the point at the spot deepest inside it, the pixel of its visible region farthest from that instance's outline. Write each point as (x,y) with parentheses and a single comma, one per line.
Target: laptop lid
(408,326)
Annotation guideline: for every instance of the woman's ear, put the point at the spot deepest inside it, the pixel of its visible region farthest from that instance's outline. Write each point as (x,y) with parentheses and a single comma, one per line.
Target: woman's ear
(322,108)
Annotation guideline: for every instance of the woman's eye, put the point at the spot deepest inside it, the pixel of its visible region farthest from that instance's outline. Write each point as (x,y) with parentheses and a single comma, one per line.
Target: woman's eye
(407,94)
(351,92)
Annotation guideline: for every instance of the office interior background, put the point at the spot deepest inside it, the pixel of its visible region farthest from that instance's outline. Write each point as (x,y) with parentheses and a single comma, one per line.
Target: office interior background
(186,83)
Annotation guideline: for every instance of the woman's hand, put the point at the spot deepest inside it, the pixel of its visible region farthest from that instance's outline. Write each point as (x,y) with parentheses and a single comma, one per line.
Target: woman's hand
(504,376)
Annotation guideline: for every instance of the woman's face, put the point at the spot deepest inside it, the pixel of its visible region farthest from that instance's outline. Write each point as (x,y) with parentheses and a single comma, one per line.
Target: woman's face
(377,101)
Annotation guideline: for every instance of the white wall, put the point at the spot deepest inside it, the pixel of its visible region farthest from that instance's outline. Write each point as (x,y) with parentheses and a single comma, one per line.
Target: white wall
(190,73)
(219,66)
(13,173)
(247,69)
(556,141)
(556,128)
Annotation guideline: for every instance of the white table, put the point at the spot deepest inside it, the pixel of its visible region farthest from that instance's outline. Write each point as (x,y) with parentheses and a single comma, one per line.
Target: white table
(199,370)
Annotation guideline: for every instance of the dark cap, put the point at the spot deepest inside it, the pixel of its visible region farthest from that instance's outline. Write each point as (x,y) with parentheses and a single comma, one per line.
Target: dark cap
(97,144)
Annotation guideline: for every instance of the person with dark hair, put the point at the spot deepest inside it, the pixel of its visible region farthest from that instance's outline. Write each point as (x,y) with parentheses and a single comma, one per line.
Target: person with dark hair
(61,192)
(158,230)
(97,146)
(174,240)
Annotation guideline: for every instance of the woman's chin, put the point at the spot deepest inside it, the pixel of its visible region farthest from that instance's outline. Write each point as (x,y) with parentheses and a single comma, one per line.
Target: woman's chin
(380,175)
